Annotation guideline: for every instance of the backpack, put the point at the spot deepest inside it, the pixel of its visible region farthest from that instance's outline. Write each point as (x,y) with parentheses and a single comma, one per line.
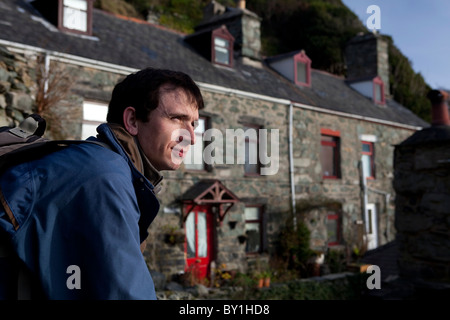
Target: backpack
(17,145)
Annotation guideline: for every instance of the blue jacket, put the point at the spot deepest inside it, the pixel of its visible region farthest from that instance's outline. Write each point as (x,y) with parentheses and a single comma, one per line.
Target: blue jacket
(87,206)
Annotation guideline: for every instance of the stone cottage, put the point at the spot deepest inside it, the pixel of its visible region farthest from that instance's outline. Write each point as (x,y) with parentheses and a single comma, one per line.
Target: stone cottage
(278,141)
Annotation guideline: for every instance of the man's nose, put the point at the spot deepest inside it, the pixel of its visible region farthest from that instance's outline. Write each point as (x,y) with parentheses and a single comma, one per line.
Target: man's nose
(192,135)
(187,134)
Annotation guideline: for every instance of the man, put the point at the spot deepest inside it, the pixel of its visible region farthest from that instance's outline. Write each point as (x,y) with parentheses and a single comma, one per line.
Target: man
(83,212)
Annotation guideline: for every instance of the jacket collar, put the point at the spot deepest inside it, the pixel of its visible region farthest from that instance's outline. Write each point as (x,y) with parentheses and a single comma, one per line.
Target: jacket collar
(127,146)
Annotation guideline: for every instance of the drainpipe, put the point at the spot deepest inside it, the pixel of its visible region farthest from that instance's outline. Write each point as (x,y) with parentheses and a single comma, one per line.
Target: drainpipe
(291,166)
(46,72)
(365,198)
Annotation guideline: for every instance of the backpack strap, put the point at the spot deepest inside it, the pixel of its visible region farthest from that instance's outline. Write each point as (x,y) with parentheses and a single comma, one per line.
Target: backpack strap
(8,210)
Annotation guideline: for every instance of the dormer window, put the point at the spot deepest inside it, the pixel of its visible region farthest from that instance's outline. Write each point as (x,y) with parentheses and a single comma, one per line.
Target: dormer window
(75,16)
(222,47)
(221,51)
(302,69)
(378,91)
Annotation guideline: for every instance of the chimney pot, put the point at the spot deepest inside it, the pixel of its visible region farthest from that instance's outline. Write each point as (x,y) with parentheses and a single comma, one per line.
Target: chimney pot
(439,107)
(241,4)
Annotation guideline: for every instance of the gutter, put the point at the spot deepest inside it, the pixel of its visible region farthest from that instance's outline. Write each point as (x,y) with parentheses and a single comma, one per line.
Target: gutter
(68,58)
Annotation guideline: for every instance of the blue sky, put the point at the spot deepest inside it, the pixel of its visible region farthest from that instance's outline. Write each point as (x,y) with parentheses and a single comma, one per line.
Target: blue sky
(420,29)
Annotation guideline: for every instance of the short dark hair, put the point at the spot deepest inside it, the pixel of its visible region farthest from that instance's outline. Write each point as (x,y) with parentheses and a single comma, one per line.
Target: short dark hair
(141,90)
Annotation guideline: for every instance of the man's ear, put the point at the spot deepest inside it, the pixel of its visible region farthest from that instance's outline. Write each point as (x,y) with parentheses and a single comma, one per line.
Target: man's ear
(130,120)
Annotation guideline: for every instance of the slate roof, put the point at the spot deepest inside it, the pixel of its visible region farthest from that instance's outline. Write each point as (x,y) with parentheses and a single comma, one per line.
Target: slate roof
(126,42)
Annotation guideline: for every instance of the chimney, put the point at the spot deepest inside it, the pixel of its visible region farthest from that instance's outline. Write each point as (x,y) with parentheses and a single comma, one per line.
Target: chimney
(244,25)
(367,56)
(439,108)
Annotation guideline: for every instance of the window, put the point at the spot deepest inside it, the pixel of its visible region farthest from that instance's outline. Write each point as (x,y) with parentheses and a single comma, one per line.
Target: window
(251,165)
(330,154)
(76,15)
(94,114)
(194,158)
(253,229)
(302,69)
(333,229)
(221,51)
(368,159)
(378,91)
(222,47)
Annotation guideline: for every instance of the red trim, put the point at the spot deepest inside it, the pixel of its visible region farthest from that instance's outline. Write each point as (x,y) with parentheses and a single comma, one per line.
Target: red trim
(329,132)
(336,151)
(302,58)
(371,154)
(201,265)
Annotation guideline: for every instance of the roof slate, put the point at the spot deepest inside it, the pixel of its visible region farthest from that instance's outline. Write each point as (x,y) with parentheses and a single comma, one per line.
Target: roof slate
(126,42)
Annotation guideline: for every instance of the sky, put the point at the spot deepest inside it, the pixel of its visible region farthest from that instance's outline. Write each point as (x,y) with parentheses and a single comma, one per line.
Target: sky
(420,29)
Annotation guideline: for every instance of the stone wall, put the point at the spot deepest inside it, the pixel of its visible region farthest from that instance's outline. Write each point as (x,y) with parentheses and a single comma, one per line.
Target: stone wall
(310,187)
(422,184)
(17,81)
(19,88)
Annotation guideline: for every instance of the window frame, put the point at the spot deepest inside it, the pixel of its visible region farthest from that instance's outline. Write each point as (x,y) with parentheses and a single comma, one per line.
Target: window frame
(260,222)
(247,140)
(336,151)
(304,59)
(224,34)
(206,167)
(371,155)
(92,121)
(378,83)
(88,11)
(331,215)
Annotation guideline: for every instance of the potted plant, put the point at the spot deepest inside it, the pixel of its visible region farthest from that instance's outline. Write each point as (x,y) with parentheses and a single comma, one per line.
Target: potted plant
(259,277)
(266,276)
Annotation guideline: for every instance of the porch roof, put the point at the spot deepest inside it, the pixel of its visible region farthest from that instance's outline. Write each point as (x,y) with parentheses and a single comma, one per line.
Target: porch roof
(211,192)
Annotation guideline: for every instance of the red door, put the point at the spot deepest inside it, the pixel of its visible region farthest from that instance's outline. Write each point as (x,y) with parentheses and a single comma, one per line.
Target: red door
(199,240)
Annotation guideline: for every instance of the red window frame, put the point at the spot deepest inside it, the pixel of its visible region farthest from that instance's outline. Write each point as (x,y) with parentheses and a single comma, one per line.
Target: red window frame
(371,155)
(302,58)
(378,82)
(336,150)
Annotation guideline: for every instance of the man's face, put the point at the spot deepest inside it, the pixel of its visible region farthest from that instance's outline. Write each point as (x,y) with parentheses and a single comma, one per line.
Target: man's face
(167,136)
